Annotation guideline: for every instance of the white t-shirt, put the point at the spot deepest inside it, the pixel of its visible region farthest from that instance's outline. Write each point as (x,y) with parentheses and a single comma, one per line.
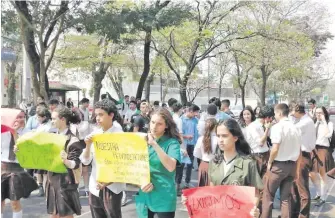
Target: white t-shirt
(199,150)
(129,114)
(115,187)
(288,136)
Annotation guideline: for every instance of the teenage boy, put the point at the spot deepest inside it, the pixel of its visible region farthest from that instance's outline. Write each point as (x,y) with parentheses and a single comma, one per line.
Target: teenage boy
(190,136)
(105,199)
(281,167)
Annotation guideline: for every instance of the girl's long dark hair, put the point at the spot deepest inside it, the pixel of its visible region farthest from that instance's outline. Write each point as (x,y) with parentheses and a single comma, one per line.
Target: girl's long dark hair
(242,146)
(325,113)
(207,142)
(242,121)
(171,127)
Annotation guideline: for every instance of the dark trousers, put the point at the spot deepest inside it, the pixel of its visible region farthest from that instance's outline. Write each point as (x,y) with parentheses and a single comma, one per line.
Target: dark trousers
(160,214)
(262,163)
(107,205)
(180,169)
(281,175)
(301,197)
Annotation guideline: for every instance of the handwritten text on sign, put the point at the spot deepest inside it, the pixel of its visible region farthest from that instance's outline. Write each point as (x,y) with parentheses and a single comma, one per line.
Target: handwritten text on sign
(122,157)
(41,150)
(220,201)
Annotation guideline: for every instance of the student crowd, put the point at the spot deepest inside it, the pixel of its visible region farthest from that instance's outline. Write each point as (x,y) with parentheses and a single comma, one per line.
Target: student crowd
(269,148)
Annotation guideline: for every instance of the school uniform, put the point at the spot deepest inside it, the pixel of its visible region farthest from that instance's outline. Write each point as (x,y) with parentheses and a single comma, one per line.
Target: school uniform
(322,147)
(162,200)
(16,183)
(107,202)
(254,132)
(62,188)
(199,152)
(283,169)
(240,171)
(301,202)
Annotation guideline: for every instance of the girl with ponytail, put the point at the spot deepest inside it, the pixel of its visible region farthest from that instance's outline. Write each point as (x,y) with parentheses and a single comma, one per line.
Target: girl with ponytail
(62,188)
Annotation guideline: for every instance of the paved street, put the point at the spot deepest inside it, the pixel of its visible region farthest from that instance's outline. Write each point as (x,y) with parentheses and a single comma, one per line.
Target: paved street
(35,207)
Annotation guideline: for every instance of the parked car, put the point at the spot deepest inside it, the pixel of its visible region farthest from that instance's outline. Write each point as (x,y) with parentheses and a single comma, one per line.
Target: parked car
(331,110)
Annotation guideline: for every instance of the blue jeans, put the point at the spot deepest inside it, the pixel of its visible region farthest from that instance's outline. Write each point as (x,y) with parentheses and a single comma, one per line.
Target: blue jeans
(180,169)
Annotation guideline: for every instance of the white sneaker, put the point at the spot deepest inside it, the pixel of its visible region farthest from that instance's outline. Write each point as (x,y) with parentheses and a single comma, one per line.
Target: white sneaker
(124,199)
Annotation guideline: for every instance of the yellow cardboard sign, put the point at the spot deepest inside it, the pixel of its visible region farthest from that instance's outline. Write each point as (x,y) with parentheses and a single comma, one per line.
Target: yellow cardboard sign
(122,157)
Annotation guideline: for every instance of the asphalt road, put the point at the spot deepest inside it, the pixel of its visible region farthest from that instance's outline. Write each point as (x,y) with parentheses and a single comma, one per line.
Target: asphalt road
(35,207)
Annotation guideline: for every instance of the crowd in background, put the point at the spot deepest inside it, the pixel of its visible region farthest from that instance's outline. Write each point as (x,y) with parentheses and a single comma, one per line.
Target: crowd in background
(270,148)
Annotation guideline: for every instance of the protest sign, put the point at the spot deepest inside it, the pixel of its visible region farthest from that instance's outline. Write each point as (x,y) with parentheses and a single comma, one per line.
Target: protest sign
(220,201)
(122,157)
(41,150)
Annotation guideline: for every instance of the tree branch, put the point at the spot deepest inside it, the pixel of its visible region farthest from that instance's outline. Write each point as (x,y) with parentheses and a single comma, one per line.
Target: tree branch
(59,14)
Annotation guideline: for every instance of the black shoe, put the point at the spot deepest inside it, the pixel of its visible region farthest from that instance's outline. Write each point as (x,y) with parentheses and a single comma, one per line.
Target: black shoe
(40,191)
(320,202)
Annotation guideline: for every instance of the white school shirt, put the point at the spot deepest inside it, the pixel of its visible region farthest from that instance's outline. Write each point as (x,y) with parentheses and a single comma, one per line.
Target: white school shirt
(288,136)
(202,123)
(179,123)
(115,187)
(254,133)
(199,151)
(5,144)
(323,137)
(308,133)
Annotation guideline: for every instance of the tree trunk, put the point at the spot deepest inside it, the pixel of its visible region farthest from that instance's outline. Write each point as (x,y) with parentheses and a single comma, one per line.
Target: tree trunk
(146,67)
(117,81)
(11,89)
(183,95)
(98,76)
(220,86)
(264,80)
(147,86)
(166,90)
(243,96)
(236,97)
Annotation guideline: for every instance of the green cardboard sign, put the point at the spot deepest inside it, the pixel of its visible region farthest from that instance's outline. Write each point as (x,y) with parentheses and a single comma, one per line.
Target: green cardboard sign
(41,150)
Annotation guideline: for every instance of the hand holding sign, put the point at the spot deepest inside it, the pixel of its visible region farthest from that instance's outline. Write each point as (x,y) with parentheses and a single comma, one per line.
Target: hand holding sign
(220,201)
(121,157)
